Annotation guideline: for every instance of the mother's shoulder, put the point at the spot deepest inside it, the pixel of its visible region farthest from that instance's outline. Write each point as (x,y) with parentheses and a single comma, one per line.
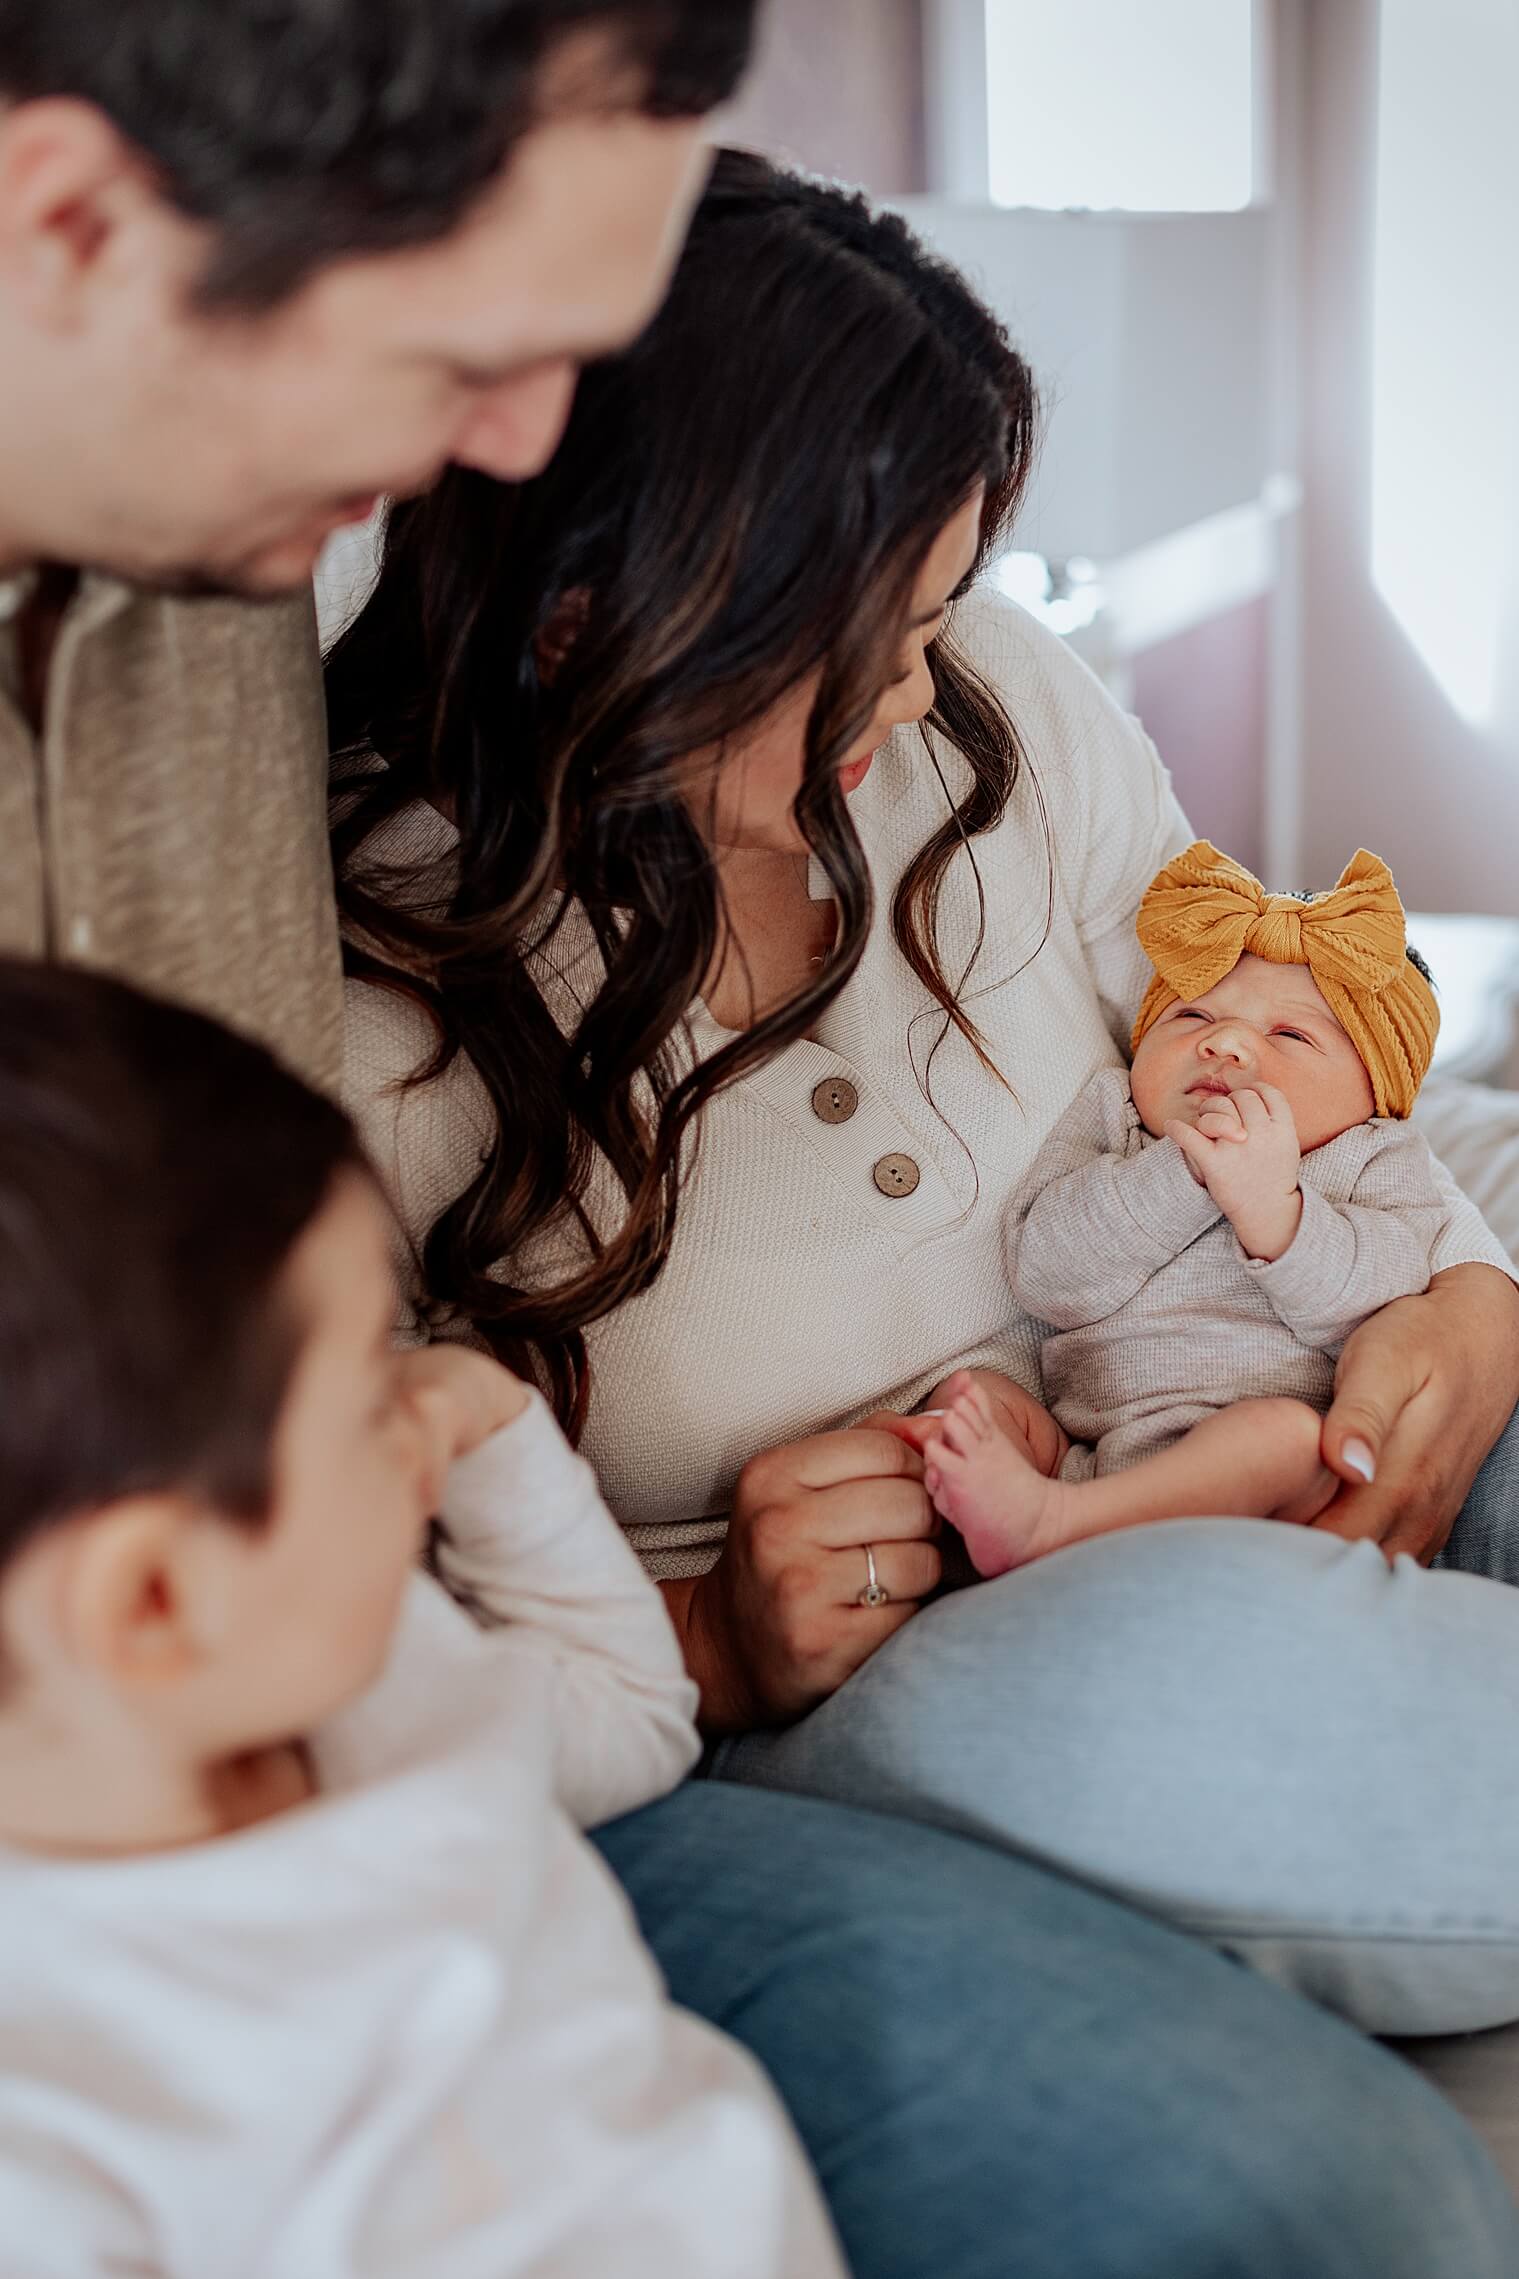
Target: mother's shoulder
(388,1035)
(1025,661)
(1099,775)
(424,1135)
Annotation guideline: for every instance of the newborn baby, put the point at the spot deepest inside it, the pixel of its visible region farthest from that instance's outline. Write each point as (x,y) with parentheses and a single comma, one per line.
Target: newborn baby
(1203,1231)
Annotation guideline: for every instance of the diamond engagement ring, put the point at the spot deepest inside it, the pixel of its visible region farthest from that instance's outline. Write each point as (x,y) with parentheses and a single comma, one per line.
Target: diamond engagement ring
(875,1592)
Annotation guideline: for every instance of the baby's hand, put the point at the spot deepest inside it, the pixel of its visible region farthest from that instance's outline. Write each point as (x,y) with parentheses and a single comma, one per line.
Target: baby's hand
(1244,1150)
(461,1397)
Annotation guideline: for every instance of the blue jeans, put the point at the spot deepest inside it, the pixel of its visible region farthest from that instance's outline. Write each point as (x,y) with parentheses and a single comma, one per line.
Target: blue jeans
(1259,1733)
(1485,1538)
(1001,2075)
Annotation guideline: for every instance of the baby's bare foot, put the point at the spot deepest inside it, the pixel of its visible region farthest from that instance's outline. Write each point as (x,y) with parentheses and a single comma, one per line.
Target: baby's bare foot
(984,1484)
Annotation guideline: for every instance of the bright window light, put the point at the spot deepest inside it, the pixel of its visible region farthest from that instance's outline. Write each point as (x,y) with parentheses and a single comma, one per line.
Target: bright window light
(1108,103)
(1445,416)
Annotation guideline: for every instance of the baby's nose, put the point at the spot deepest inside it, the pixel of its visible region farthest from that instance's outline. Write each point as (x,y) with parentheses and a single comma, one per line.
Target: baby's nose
(1226,1040)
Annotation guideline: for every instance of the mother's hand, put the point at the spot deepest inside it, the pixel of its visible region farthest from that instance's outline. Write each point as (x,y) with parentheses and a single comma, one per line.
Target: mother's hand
(777,1625)
(1426,1386)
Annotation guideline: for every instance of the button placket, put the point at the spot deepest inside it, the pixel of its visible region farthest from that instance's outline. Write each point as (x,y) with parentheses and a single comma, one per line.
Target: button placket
(849,1151)
(896,1175)
(835,1100)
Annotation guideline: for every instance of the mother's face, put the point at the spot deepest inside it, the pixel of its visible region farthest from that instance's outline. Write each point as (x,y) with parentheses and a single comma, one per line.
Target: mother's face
(749,805)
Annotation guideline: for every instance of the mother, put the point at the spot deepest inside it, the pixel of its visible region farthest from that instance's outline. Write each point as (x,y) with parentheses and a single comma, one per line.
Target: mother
(705,1020)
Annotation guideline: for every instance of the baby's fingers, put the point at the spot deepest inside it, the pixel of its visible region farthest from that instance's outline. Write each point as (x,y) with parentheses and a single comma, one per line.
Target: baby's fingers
(1278,1106)
(1197,1149)
(1254,1114)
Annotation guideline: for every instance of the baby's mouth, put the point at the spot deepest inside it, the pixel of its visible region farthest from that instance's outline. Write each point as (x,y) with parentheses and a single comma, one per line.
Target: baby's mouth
(1213,1085)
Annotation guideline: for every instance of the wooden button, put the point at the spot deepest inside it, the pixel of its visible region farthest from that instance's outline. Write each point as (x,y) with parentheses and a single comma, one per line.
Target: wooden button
(896,1175)
(835,1100)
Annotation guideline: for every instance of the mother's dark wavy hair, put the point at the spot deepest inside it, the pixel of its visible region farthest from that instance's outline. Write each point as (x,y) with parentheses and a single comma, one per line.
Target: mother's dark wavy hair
(744,499)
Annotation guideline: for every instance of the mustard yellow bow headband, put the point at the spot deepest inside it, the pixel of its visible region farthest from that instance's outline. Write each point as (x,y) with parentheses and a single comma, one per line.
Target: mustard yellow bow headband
(1203,913)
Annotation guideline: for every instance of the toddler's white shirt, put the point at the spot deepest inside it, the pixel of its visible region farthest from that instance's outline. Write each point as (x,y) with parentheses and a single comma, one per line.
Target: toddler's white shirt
(409,2028)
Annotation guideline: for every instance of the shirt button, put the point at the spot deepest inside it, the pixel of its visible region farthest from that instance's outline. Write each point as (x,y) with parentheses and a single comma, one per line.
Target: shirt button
(81,937)
(835,1100)
(896,1175)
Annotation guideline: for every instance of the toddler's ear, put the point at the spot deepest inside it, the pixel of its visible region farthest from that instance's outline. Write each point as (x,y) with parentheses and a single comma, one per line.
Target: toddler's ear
(117,1604)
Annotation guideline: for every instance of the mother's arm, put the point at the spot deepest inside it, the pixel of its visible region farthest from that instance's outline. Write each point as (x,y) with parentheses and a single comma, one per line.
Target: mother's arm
(1426,1386)
(777,1624)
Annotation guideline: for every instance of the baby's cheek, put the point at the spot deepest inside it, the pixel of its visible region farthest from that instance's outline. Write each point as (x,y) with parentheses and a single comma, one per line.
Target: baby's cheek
(1149,1083)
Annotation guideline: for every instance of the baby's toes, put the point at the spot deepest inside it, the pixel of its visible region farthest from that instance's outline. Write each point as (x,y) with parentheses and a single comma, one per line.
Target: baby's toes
(944,1478)
(976,1400)
(974,1419)
(958,1430)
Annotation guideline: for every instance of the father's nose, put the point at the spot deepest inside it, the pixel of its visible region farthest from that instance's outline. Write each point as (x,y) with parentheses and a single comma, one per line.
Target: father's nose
(513,433)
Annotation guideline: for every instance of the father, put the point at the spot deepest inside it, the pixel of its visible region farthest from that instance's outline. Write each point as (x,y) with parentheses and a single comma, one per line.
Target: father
(258,266)
(261,261)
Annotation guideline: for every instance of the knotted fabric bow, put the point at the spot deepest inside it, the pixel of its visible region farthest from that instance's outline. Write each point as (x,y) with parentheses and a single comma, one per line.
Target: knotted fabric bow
(1203,913)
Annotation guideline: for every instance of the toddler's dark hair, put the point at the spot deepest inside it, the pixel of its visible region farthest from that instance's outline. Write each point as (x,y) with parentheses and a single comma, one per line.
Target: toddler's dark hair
(155,1173)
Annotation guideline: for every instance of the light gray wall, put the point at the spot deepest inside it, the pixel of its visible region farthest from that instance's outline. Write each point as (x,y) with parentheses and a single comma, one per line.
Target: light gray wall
(838,86)
(1148,334)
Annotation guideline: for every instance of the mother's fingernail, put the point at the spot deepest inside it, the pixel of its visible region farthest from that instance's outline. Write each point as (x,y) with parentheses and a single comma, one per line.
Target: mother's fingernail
(1359,1458)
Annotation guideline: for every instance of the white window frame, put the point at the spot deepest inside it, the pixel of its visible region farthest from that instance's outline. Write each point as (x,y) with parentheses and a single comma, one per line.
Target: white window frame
(959,159)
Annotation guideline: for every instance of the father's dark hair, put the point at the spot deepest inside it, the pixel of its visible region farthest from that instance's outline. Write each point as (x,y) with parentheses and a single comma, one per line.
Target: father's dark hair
(155,1173)
(304,130)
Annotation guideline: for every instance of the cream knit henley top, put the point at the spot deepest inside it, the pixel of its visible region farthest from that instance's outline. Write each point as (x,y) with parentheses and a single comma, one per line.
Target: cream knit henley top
(840,1242)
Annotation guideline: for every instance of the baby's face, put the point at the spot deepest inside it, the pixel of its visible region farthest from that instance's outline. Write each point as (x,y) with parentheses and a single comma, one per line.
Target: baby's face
(1262,1024)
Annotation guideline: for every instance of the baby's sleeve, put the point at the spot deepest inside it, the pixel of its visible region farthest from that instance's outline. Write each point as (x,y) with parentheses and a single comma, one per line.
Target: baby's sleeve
(1404,1221)
(1098,1214)
(1465,1238)
(530,1541)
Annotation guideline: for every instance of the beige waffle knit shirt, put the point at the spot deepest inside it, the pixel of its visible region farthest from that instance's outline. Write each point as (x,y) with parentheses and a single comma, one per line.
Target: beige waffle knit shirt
(1156,1317)
(170,824)
(807,1285)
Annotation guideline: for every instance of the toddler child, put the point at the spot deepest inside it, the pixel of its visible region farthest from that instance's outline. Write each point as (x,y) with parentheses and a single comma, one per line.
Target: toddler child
(310,1973)
(1202,1232)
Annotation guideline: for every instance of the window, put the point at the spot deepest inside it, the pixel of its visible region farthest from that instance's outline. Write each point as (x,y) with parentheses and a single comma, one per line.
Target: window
(1140,106)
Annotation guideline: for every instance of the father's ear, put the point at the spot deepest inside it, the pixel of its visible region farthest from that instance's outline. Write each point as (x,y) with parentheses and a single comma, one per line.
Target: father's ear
(71,190)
